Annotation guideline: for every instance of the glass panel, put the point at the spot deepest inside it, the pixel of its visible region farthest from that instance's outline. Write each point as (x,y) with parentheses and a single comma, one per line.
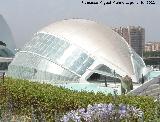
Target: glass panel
(51,59)
(5,52)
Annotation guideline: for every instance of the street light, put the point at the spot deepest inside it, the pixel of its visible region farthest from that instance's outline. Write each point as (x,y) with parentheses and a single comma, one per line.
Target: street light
(114,74)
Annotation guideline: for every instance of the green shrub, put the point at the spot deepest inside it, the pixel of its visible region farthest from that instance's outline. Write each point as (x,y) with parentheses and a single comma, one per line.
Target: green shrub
(51,100)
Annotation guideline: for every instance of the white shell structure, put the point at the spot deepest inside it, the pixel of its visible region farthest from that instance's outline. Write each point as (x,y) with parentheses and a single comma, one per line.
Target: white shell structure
(74,49)
(6,35)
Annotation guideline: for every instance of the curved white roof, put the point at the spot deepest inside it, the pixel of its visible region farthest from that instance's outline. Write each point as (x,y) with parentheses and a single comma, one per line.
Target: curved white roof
(96,39)
(6,35)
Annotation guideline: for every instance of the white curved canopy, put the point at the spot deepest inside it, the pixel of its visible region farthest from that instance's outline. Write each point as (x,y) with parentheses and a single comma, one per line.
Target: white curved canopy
(6,35)
(75,49)
(96,39)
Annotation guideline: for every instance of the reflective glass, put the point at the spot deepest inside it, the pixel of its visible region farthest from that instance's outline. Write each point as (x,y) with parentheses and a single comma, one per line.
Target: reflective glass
(52,58)
(4,52)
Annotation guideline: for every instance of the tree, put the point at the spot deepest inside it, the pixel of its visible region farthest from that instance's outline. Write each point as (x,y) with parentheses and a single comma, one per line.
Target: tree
(126,84)
(2,43)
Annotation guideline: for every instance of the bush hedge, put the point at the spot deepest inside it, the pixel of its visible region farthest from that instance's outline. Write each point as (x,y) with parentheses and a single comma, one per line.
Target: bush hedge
(22,95)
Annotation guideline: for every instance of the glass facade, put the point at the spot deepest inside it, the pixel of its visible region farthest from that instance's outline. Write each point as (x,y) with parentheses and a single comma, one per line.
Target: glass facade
(49,58)
(103,73)
(138,64)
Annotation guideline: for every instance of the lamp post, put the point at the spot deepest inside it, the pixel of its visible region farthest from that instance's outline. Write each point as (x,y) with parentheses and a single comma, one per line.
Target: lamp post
(158,102)
(114,73)
(105,81)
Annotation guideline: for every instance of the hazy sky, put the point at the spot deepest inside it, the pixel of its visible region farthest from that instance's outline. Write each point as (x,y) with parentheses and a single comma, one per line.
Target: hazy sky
(25,17)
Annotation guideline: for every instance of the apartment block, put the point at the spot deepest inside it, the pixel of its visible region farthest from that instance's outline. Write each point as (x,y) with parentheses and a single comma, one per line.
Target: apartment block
(135,37)
(152,46)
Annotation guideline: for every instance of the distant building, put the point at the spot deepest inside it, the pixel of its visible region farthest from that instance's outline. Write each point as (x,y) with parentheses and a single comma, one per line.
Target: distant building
(6,36)
(135,36)
(7,45)
(124,32)
(152,46)
(6,56)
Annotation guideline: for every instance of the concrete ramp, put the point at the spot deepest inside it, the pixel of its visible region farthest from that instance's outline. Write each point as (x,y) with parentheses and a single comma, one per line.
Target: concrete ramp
(149,88)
